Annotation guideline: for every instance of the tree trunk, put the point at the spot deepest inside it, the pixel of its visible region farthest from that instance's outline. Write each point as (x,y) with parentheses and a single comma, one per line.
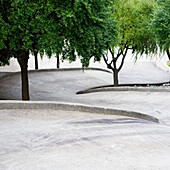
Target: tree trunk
(115,74)
(58,61)
(23,62)
(167,51)
(36,60)
(115,78)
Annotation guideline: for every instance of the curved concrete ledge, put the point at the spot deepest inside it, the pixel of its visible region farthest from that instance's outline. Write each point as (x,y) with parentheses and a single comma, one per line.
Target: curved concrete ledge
(139,89)
(50,70)
(73,107)
(70,69)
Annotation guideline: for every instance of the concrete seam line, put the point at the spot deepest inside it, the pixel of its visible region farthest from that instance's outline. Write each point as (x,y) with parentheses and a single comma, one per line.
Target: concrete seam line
(74,107)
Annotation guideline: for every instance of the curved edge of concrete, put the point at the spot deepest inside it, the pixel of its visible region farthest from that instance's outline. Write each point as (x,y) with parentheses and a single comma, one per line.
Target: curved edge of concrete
(71,69)
(139,89)
(4,104)
(59,69)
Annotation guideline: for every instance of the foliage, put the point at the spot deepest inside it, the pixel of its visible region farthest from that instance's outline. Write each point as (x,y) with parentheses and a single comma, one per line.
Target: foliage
(134,17)
(161,24)
(54,26)
(93,26)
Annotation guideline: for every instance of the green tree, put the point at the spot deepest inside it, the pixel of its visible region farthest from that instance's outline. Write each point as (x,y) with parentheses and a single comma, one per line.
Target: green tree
(161,25)
(133,17)
(70,27)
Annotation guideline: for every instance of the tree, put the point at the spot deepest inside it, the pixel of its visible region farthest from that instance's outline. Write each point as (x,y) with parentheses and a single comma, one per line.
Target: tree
(133,17)
(160,25)
(21,20)
(52,27)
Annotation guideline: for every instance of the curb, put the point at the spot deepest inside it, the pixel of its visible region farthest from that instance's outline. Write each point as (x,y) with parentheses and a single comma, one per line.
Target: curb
(136,89)
(70,69)
(51,70)
(73,107)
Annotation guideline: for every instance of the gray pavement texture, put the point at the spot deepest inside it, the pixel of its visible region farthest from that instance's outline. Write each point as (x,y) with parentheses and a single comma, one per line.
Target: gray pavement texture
(61,86)
(51,139)
(64,140)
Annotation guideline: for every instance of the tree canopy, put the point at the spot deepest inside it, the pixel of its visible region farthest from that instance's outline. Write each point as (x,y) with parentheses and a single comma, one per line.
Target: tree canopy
(161,25)
(48,26)
(133,18)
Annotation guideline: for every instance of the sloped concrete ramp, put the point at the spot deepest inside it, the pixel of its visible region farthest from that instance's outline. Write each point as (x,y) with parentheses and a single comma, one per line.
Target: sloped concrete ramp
(66,140)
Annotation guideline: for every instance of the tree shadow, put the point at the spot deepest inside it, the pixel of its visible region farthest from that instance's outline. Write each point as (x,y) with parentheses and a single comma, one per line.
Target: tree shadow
(113,121)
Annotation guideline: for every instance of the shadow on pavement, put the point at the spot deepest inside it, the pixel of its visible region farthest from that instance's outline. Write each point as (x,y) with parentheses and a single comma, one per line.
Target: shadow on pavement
(113,121)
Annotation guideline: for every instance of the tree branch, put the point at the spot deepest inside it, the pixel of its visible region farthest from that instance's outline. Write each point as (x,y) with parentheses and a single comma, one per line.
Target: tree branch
(109,65)
(124,55)
(119,53)
(111,52)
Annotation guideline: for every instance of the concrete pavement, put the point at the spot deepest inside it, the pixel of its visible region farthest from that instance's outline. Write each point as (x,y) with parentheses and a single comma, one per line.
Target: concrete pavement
(55,139)
(65,140)
(61,86)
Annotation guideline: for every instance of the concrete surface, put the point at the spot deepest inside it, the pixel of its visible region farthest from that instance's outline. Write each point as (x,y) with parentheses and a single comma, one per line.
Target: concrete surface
(8,104)
(50,139)
(161,62)
(61,86)
(63,140)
